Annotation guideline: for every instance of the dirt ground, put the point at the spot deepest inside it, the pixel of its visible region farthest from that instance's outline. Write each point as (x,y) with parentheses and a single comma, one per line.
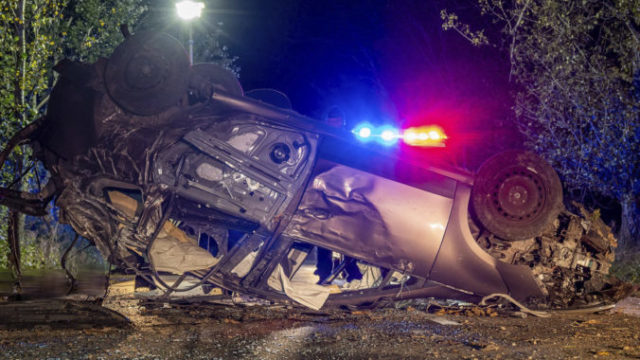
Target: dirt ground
(56,329)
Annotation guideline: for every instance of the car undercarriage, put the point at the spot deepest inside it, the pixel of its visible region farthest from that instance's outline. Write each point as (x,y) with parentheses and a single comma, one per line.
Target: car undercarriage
(169,169)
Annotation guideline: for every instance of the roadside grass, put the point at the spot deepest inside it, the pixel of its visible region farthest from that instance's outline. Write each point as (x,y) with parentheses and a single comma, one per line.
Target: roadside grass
(627,265)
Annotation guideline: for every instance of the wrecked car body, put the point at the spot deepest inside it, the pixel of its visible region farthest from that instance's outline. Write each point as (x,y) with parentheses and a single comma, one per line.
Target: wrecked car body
(169,168)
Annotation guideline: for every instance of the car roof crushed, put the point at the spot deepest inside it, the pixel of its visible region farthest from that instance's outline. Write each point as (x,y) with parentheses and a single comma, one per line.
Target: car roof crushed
(179,178)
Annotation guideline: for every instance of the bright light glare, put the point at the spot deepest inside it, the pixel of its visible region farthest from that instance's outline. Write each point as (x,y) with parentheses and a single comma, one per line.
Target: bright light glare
(364,132)
(189,10)
(424,136)
(434,135)
(388,135)
(410,136)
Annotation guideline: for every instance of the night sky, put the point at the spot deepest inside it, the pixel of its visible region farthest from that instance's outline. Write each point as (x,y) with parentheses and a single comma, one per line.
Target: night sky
(378,61)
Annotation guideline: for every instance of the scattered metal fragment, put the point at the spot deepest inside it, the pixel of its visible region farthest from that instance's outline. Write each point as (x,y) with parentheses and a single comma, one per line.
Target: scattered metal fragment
(443,321)
(523,309)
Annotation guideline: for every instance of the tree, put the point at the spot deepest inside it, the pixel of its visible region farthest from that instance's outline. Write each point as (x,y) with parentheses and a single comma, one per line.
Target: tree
(36,35)
(26,47)
(577,68)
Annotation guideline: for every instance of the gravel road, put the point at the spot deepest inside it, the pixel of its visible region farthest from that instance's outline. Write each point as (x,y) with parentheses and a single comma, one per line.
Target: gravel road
(75,330)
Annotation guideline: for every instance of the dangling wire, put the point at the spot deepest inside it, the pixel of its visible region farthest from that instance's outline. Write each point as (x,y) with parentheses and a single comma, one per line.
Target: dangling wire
(403,280)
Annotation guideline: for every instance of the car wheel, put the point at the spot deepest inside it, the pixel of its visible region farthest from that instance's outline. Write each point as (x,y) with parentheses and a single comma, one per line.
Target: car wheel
(148,73)
(516,195)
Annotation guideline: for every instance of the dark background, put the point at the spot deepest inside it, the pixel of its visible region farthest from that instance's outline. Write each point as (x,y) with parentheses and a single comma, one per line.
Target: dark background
(384,62)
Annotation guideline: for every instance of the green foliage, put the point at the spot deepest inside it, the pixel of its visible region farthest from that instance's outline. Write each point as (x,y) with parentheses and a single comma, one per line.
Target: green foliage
(35,39)
(35,35)
(92,29)
(577,64)
(43,243)
(209,48)
(28,42)
(451,21)
(627,267)
(4,245)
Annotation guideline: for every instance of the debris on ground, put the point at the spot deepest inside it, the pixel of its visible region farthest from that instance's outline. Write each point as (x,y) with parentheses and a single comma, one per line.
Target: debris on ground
(178,330)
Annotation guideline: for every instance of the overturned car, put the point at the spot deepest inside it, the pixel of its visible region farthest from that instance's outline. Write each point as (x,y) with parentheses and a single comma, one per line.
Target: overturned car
(169,169)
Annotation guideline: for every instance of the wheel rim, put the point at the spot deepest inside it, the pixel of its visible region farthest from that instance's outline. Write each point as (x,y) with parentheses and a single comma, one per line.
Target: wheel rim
(144,73)
(518,195)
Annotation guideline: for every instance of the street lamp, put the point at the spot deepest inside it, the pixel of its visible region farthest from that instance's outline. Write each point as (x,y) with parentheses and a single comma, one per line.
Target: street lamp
(189,10)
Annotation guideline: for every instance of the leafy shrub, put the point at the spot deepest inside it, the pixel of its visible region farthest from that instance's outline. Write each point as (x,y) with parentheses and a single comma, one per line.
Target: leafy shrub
(627,266)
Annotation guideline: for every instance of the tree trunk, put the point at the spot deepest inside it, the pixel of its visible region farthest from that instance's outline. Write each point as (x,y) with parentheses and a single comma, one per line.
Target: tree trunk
(13,226)
(21,63)
(630,223)
(13,236)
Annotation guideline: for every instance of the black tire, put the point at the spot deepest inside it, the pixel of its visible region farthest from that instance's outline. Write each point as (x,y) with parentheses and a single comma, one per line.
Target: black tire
(148,73)
(516,195)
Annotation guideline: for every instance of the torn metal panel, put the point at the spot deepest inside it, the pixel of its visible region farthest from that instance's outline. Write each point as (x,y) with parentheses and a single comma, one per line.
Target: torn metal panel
(371,218)
(242,167)
(243,267)
(172,251)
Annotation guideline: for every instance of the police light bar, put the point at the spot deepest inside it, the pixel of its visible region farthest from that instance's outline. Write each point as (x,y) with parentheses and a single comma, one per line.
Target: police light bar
(425,136)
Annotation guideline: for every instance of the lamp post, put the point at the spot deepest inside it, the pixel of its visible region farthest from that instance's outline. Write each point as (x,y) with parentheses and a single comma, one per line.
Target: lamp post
(189,10)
